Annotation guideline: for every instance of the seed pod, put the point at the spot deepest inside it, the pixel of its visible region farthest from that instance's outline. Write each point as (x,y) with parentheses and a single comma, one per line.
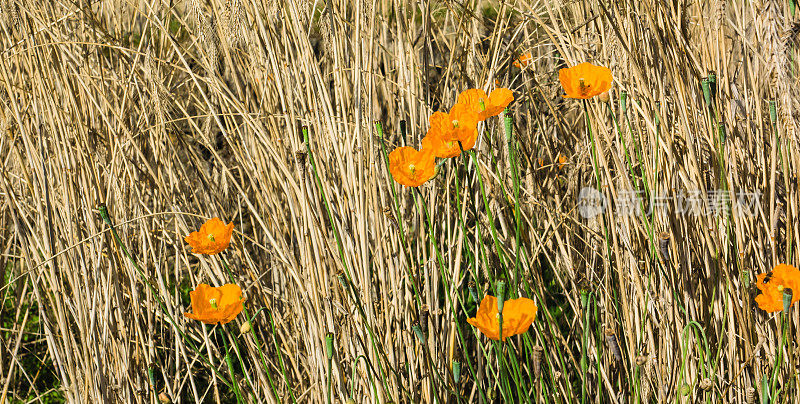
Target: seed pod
(706,384)
(750,395)
(418,332)
(706,90)
(501,295)
(663,245)
(456,371)
(537,361)
(613,344)
(300,159)
(473,292)
(787,299)
(623,104)
(424,313)
(329,345)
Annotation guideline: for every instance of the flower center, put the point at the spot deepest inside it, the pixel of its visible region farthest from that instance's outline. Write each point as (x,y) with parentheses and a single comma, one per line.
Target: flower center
(412,168)
(483,106)
(455,123)
(780,288)
(213,303)
(584,88)
(211,237)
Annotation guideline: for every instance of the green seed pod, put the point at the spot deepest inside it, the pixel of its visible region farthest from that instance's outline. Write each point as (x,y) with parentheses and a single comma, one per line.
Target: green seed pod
(329,344)
(501,295)
(706,90)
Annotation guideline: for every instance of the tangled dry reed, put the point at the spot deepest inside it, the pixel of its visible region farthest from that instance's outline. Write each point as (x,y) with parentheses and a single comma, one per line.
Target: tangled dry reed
(173,112)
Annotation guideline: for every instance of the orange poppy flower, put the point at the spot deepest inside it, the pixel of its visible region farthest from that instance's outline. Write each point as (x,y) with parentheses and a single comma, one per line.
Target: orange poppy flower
(477,101)
(410,167)
(446,130)
(522,60)
(585,80)
(562,161)
(518,314)
(772,284)
(214,237)
(215,305)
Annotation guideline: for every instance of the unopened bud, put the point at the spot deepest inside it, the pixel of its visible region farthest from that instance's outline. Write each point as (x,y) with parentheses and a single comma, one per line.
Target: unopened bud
(329,345)
(501,295)
(245,328)
(604,97)
(164,398)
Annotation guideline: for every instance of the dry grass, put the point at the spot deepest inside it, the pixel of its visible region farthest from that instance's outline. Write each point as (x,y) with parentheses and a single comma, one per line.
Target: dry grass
(173,112)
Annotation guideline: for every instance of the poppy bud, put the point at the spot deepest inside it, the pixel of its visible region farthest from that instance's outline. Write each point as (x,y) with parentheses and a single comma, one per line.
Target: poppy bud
(604,97)
(329,345)
(164,398)
(787,299)
(508,121)
(773,112)
(456,371)
(245,327)
(351,401)
(623,104)
(418,332)
(641,360)
(501,295)
(706,90)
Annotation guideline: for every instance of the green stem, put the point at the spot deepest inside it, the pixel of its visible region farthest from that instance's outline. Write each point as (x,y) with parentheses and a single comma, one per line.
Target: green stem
(255,338)
(230,366)
(103,210)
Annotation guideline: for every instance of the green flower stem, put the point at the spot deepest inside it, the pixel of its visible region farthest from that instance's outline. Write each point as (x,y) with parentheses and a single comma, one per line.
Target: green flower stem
(103,210)
(396,209)
(370,373)
(584,345)
(489,216)
(230,366)
(280,356)
(512,147)
(404,241)
(256,340)
(776,367)
(346,271)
